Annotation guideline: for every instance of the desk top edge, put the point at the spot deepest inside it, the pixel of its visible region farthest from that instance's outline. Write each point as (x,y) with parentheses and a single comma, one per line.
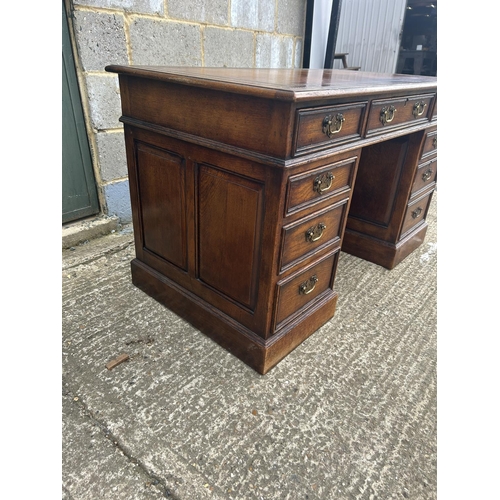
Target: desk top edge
(283,84)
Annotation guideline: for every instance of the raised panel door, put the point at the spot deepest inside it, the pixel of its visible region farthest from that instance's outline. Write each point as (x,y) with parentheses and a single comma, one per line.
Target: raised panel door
(161,182)
(230,225)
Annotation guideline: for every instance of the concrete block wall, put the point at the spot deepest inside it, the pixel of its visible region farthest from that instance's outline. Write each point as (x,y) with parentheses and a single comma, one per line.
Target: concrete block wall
(216,33)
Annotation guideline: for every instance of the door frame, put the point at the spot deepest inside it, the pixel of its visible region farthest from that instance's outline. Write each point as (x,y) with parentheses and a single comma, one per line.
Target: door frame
(89,188)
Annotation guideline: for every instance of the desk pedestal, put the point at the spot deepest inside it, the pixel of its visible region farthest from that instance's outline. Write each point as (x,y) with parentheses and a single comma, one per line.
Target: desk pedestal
(242,183)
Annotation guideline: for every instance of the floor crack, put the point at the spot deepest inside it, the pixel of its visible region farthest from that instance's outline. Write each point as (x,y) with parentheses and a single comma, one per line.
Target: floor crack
(153,479)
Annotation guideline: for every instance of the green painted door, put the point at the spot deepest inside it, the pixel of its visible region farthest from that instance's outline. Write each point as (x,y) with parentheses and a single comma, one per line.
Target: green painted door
(79,192)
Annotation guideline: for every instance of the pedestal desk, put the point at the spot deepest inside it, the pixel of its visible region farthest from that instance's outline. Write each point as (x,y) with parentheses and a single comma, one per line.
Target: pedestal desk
(246,184)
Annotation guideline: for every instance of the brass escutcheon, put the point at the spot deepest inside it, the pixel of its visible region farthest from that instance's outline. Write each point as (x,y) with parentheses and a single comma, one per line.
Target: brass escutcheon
(316,232)
(427,174)
(323,182)
(416,213)
(308,286)
(332,127)
(387,114)
(418,108)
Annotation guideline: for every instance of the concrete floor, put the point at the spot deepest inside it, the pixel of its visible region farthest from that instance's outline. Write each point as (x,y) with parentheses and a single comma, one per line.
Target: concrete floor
(350,414)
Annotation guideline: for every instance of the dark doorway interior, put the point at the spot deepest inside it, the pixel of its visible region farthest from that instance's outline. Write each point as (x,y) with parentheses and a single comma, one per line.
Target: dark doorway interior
(418,50)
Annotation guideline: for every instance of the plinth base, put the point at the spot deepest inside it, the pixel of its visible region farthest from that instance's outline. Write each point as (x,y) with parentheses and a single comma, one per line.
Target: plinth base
(256,352)
(383,253)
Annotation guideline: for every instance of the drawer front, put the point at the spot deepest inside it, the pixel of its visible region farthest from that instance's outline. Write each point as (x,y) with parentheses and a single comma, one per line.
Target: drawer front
(425,176)
(430,144)
(315,186)
(319,128)
(388,114)
(416,213)
(297,292)
(311,234)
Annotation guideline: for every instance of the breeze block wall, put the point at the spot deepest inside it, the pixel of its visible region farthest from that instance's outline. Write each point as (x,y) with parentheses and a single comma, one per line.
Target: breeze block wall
(211,33)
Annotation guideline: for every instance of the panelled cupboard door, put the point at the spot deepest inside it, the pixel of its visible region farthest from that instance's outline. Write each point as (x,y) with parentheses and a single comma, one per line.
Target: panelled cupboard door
(201,219)
(79,192)
(161,180)
(230,225)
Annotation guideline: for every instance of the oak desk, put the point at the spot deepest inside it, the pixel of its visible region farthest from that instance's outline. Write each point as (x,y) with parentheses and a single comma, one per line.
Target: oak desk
(246,183)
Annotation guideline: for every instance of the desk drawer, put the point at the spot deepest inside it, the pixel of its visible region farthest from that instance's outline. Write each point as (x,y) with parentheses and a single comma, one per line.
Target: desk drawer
(298,291)
(311,234)
(416,212)
(319,128)
(388,114)
(435,111)
(430,144)
(425,176)
(315,186)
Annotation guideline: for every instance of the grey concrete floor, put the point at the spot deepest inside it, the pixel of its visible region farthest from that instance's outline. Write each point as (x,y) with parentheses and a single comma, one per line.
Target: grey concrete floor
(350,414)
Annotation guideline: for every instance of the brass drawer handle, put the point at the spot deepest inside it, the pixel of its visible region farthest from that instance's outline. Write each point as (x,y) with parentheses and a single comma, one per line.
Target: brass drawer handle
(427,174)
(418,108)
(416,213)
(308,286)
(316,232)
(387,114)
(435,142)
(323,182)
(330,128)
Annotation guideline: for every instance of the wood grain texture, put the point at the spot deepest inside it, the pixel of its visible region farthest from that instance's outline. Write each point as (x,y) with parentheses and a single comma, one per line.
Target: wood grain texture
(380,169)
(425,176)
(430,145)
(312,233)
(230,225)
(416,212)
(301,189)
(311,134)
(241,191)
(162,185)
(403,109)
(282,84)
(316,280)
